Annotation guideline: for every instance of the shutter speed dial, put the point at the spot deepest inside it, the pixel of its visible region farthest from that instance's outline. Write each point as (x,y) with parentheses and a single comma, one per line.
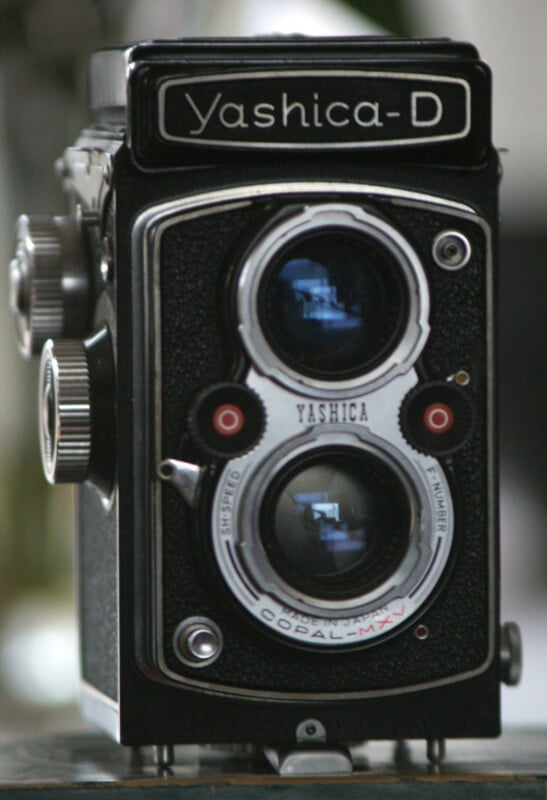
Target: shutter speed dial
(49,281)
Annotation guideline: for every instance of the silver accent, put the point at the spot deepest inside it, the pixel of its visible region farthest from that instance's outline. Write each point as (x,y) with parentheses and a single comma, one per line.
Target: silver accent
(198,641)
(301,762)
(108,76)
(313,756)
(184,476)
(315,218)
(510,653)
(146,242)
(65,411)
(49,283)
(85,171)
(451,250)
(341,74)
(436,751)
(99,709)
(164,756)
(311,730)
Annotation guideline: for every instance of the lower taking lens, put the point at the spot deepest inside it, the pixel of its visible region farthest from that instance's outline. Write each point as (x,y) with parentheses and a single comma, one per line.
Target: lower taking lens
(337,523)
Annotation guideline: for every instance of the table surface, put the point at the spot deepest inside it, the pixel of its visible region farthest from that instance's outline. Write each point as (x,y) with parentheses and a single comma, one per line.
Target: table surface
(85,765)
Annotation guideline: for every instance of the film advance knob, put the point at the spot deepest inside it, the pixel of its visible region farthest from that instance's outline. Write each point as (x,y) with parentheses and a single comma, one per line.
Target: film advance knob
(65,411)
(48,281)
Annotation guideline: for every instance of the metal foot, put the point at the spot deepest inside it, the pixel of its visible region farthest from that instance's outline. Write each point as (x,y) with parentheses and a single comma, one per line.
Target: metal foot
(164,756)
(313,761)
(401,754)
(136,758)
(436,751)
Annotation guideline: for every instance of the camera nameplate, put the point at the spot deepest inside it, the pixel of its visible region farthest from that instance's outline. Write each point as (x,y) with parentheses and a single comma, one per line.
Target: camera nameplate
(232,114)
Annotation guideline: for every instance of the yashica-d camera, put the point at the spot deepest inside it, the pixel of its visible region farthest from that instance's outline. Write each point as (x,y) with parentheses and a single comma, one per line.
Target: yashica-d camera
(267,335)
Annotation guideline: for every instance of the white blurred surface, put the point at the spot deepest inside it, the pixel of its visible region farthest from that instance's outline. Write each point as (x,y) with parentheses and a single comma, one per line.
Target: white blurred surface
(511,37)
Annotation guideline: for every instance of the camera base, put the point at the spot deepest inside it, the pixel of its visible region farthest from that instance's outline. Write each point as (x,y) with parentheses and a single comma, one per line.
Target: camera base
(320,759)
(81,763)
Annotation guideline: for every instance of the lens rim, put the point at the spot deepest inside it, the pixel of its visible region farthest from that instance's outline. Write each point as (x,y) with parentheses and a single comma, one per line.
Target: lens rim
(357,581)
(266,251)
(251,551)
(378,353)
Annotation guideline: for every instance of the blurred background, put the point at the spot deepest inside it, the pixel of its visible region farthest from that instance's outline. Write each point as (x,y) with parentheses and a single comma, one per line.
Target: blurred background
(44,48)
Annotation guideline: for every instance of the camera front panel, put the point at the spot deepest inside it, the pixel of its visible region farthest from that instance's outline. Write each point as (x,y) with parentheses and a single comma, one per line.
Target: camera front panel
(316,383)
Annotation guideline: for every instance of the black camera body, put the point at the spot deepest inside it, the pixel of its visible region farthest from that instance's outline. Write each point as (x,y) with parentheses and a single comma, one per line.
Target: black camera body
(280,373)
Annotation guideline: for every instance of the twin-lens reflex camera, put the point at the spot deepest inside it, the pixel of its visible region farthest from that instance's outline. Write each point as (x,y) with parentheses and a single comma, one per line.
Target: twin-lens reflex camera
(267,336)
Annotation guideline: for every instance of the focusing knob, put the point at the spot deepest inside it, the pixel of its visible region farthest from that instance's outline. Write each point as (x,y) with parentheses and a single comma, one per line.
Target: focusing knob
(65,411)
(227,420)
(48,281)
(437,418)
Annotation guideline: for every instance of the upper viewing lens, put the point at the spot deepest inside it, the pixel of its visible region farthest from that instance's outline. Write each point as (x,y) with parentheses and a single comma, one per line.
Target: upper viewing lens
(333,304)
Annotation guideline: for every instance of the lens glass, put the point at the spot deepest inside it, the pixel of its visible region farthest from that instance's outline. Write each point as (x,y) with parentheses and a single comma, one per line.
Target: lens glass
(333,304)
(337,523)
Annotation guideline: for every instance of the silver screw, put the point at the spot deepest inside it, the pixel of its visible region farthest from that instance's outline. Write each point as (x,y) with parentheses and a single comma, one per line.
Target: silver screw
(311,730)
(451,250)
(198,641)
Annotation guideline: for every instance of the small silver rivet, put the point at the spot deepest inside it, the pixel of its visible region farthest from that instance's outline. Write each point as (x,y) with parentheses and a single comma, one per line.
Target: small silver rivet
(198,641)
(451,250)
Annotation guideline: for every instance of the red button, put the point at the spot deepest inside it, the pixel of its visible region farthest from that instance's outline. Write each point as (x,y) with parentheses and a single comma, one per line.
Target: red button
(228,420)
(438,418)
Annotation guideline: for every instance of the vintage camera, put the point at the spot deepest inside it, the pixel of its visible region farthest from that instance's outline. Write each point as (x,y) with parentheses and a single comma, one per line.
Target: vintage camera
(268,358)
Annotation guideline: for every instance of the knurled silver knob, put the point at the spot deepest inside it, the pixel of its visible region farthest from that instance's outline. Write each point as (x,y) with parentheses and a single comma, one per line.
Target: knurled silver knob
(510,653)
(65,411)
(48,281)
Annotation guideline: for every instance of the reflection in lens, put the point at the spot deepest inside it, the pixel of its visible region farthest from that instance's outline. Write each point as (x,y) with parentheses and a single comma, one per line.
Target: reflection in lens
(333,304)
(336,524)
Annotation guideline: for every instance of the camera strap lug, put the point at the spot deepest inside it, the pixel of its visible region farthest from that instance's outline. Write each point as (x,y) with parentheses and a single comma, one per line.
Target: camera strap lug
(185,477)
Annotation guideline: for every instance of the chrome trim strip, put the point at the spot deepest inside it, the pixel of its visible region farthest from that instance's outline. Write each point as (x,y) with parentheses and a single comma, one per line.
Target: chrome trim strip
(100,709)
